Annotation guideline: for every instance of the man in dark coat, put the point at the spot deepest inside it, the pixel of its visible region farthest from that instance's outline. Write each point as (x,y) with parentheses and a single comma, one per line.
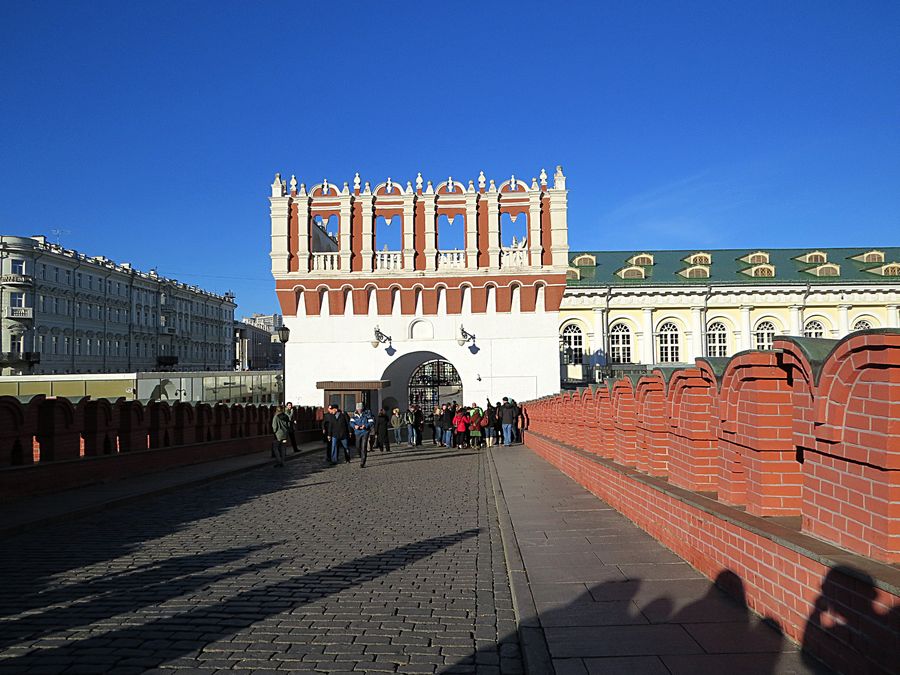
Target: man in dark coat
(508,415)
(338,430)
(383,430)
(292,418)
(419,421)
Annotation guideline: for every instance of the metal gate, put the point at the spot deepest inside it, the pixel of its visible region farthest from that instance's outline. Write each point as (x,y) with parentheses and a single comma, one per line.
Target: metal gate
(433,383)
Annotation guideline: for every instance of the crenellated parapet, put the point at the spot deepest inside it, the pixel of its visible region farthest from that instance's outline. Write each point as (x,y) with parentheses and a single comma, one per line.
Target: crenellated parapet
(324,238)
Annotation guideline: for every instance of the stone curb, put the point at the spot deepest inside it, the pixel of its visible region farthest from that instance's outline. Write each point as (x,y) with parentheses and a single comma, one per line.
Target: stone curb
(535,653)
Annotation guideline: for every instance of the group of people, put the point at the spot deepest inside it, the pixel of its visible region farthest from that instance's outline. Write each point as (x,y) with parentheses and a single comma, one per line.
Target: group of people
(452,426)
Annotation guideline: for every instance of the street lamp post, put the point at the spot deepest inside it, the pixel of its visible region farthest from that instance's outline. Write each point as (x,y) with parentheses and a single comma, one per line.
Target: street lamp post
(283,334)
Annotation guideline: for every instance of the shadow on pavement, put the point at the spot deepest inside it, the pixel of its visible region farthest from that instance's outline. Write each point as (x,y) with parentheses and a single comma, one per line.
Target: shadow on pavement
(51,553)
(130,646)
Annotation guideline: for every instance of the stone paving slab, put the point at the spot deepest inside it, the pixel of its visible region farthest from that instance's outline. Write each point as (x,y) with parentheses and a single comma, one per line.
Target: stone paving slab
(398,567)
(611,599)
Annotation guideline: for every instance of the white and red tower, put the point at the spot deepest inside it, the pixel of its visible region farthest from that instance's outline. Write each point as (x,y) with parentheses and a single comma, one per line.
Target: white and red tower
(488,306)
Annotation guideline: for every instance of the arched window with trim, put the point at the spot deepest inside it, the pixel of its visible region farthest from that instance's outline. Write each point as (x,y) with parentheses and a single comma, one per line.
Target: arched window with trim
(620,344)
(717,339)
(764,335)
(698,273)
(763,272)
(573,345)
(815,258)
(813,329)
(669,343)
(862,324)
(892,271)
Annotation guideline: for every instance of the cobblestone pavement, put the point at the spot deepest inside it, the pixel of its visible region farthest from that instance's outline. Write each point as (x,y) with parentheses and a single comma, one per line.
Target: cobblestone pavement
(397,567)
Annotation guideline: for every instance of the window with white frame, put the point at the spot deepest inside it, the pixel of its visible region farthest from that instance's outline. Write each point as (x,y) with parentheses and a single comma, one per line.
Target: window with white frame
(764,335)
(813,329)
(669,343)
(40,344)
(54,343)
(17,266)
(862,324)
(717,339)
(17,343)
(573,345)
(17,299)
(620,344)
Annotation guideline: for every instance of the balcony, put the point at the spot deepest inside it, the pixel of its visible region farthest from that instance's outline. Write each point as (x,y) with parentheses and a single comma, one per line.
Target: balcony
(389,261)
(16,280)
(167,330)
(19,313)
(453,259)
(513,256)
(325,262)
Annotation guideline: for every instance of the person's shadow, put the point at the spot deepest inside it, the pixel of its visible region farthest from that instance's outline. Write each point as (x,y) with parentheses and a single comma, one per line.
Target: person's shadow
(857,636)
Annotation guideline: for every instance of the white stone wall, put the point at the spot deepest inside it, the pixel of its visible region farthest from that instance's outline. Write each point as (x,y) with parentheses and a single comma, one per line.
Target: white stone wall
(515,354)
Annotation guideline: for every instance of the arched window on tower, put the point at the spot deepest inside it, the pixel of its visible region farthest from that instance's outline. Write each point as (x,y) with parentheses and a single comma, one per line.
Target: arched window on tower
(717,339)
(669,343)
(764,335)
(572,345)
(862,324)
(813,329)
(620,344)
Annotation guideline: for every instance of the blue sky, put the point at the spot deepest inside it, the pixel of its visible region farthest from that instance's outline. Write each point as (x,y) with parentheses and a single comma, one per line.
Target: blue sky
(151,131)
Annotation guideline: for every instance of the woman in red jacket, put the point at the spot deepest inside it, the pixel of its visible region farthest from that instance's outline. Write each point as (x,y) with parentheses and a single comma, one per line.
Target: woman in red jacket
(461,424)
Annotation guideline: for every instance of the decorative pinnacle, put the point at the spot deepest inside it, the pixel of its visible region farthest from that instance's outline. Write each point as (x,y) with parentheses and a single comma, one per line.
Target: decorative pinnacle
(419,181)
(346,190)
(356,182)
(367,190)
(389,186)
(325,186)
(429,190)
(481,180)
(492,187)
(543,178)
(512,182)
(409,188)
(302,188)
(534,184)
(449,184)
(293,183)
(471,186)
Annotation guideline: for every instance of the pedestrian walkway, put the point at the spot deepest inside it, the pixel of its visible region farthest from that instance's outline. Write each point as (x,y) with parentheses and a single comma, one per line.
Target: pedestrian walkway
(611,599)
(397,567)
(403,566)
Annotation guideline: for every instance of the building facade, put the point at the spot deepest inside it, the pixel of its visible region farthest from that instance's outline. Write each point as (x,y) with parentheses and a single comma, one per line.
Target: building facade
(507,310)
(268,322)
(652,308)
(65,312)
(462,303)
(254,347)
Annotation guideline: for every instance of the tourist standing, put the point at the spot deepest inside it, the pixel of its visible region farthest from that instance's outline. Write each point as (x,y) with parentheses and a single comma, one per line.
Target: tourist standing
(498,426)
(291,415)
(338,433)
(447,425)
(461,424)
(362,423)
(476,414)
(507,420)
(409,419)
(419,422)
(383,431)
(397,425)
(490,418)
(436,422)
(280,427)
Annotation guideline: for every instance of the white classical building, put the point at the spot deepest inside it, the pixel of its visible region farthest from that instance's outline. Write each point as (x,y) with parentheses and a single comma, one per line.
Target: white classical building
(62,311)
(421,322)
(505,309)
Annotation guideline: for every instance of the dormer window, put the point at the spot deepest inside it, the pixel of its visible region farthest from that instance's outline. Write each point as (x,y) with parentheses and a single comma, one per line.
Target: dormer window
(814,257)
(892,269)
(758,258)
(642,259)
(873,257)
(700,259)
(573,274)
(585,260)
(632,273)
(827,270)
(696,272)
(762,271)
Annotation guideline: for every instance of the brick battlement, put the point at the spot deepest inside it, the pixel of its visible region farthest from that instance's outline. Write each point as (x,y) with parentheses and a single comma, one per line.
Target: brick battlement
(53,444)
(809,431)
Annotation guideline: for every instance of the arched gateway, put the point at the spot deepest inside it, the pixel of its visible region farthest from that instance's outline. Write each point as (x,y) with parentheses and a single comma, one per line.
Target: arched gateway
(364,319)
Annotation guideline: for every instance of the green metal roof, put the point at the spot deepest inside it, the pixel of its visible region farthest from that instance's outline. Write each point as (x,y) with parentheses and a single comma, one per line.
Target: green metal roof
(729,266)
